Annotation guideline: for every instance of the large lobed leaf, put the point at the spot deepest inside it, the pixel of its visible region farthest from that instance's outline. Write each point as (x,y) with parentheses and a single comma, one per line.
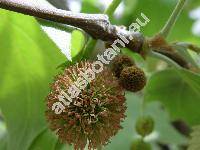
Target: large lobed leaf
(178,90)
(28,60)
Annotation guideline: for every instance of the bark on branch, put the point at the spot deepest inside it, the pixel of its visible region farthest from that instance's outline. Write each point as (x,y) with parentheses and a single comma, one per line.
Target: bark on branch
(96,25)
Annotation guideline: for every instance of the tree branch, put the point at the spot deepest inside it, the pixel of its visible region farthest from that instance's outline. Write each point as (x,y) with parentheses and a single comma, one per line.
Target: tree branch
(96,25)
(84,21)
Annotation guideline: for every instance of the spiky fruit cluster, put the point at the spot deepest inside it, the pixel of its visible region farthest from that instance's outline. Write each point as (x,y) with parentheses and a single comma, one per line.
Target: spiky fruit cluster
(133,79)
(144,125)
(94,116)
(140,145)
(119,63)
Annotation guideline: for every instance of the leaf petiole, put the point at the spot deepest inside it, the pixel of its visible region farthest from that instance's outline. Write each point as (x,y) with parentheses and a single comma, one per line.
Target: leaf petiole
(172,19)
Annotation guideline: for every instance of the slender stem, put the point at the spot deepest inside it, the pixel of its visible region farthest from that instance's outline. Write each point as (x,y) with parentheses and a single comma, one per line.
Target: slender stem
(173,18)
(190,46)
(112,7)
(164,58)
(142,107)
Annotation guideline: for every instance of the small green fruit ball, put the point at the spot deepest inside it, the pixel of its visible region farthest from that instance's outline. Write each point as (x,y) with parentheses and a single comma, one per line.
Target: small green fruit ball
(144,126)
(119,63)
(133,79)
(140,145)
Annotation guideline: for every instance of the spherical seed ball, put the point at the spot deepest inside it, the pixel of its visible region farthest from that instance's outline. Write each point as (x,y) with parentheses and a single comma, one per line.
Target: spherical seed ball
(133,79)
(119,63)
(94,116)
(144,125)
(140,145)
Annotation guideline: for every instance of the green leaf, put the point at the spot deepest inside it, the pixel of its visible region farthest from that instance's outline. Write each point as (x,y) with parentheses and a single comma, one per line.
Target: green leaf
(3,143)
(195,138)
(193,4)
(165,132)
(46,140)
(59,34)
(90,6)
(68,40)
(3,133)
(2,128)
(28,63)
(63,146)
(128,14)
(178,91)
(77,42)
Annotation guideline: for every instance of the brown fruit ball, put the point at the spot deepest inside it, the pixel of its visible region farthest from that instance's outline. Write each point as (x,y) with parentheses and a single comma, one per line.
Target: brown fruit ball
(87,120)
(119,63)
(133,79)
